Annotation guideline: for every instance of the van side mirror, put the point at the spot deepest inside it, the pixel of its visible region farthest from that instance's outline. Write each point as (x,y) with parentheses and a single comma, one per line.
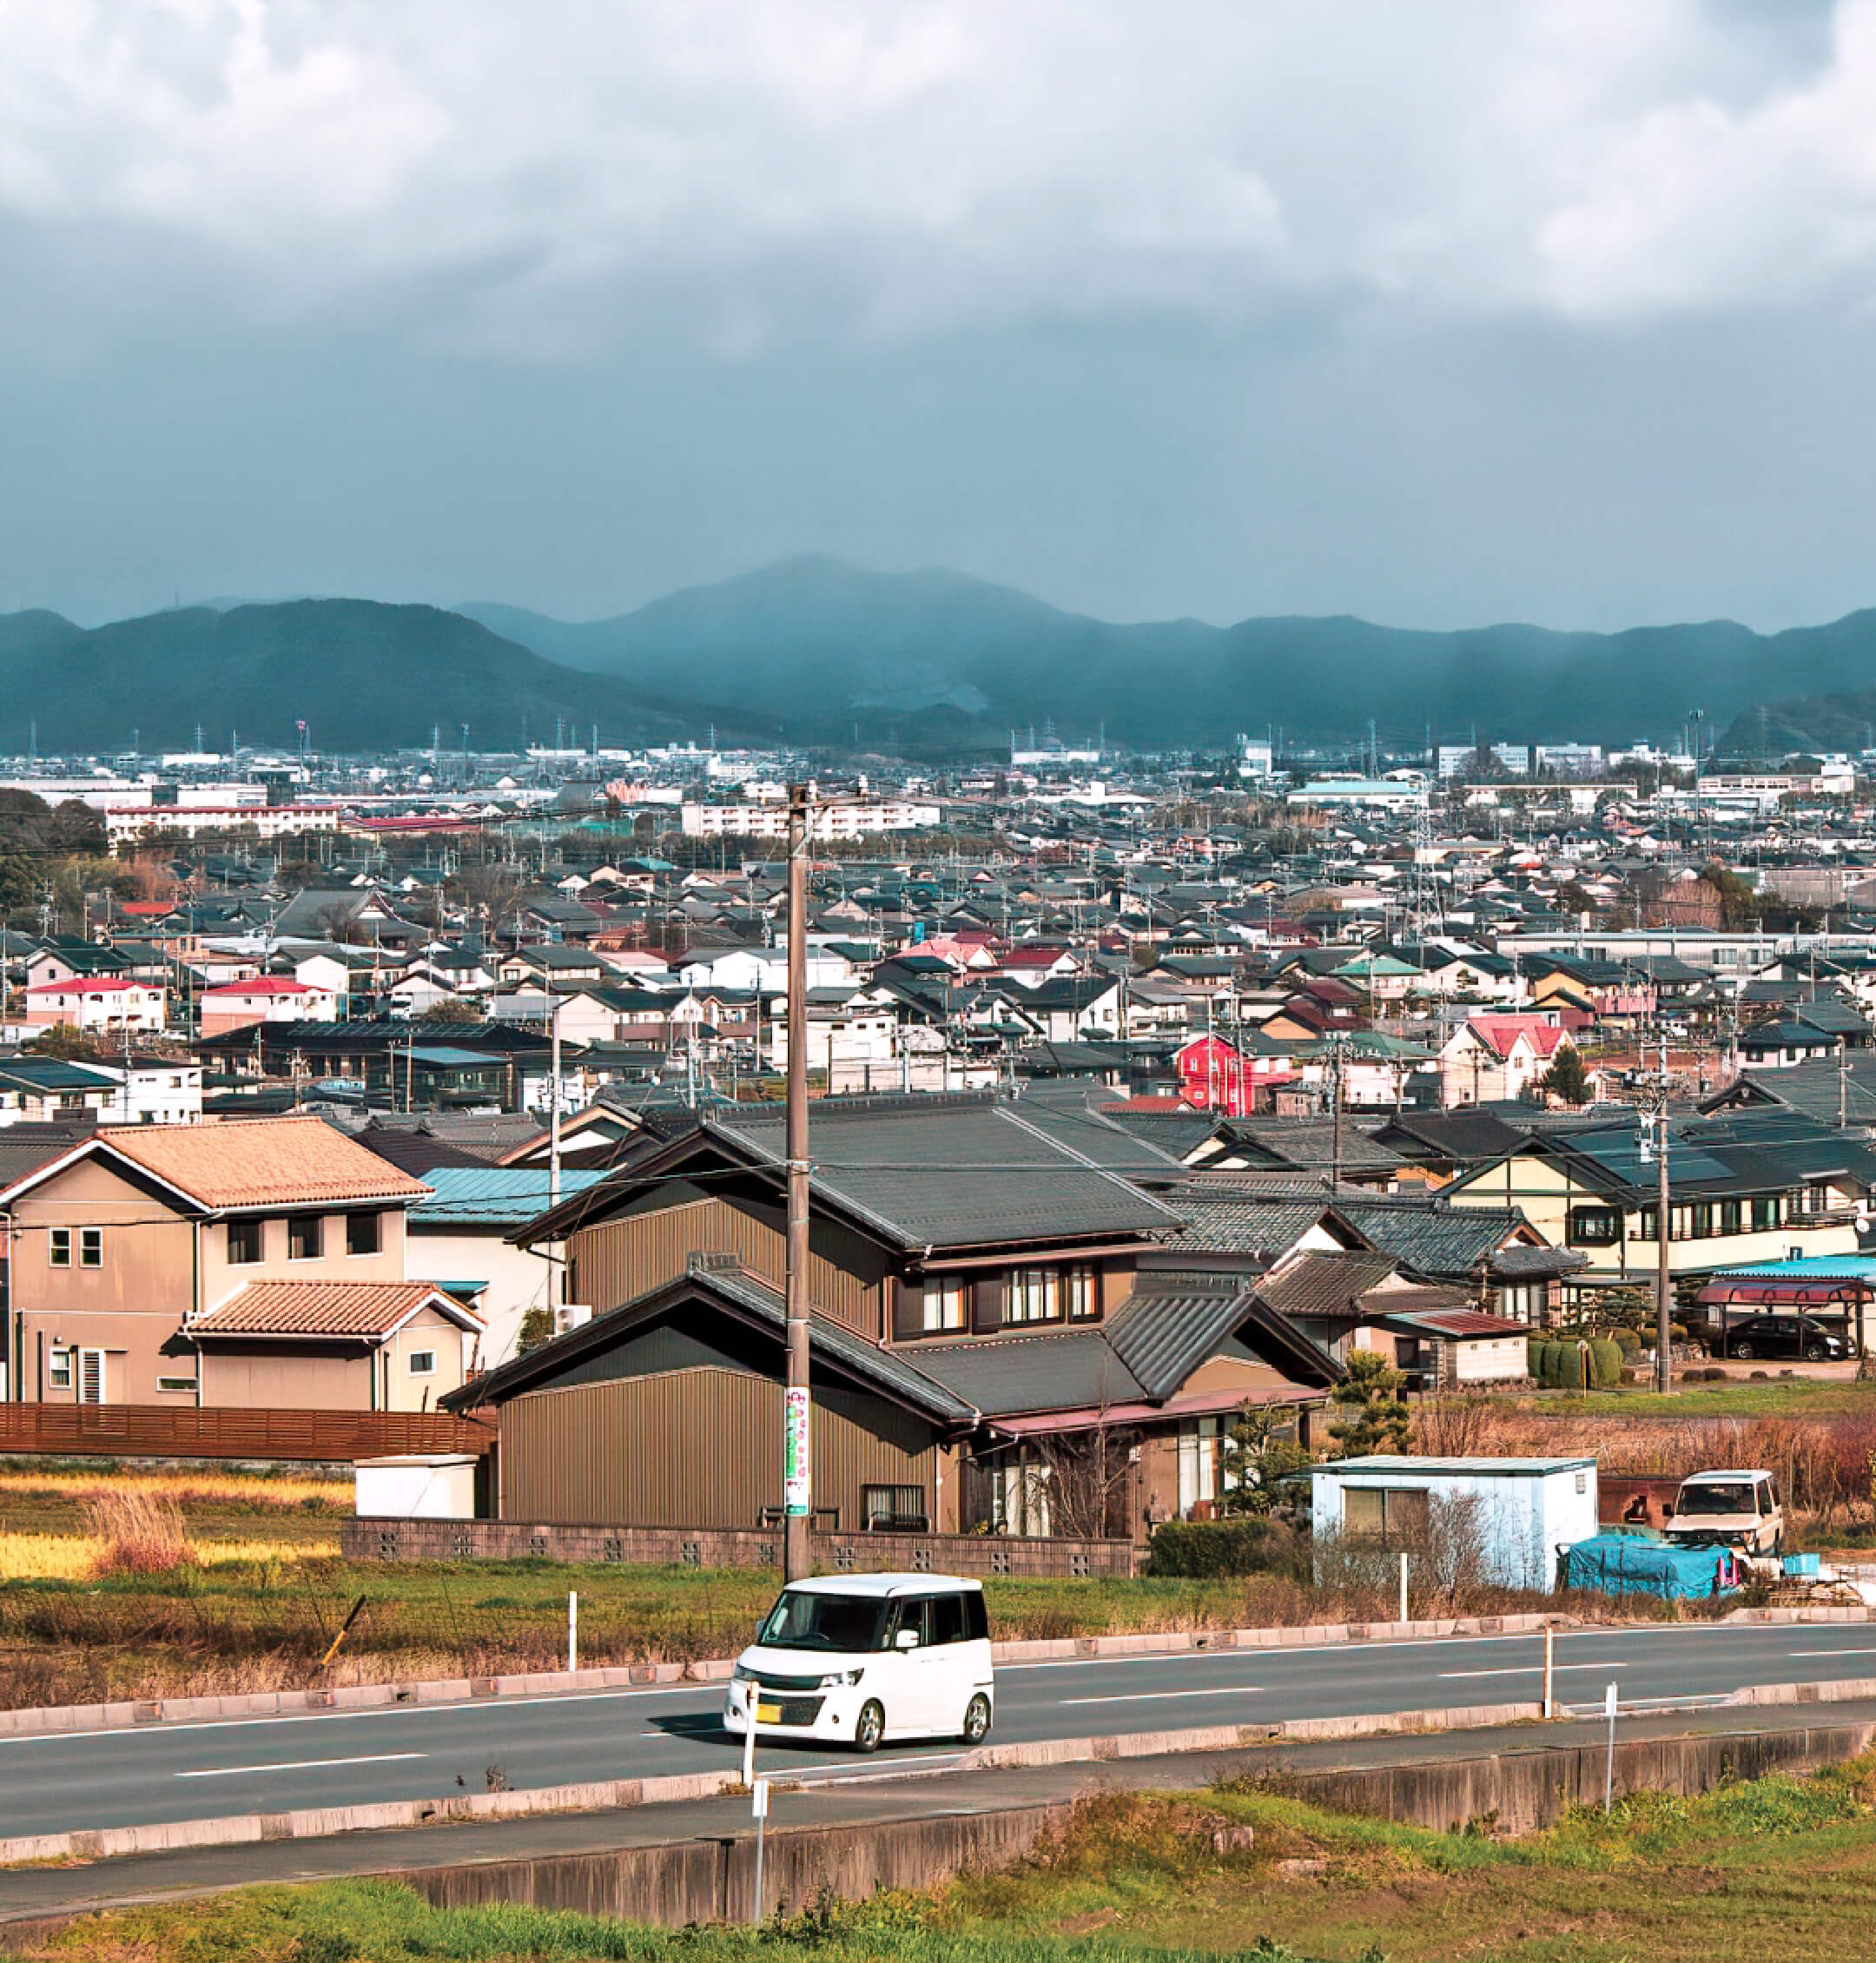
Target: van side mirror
(906,1639)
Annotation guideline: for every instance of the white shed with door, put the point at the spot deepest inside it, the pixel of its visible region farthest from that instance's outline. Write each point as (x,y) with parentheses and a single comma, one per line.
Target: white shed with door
(1519,1511)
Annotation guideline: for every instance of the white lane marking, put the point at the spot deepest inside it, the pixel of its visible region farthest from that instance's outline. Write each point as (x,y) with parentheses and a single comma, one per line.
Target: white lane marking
(1867,1650)
(872,1767)
(178,1726)
(1536,1670)
(298,1765)
(1161,1696)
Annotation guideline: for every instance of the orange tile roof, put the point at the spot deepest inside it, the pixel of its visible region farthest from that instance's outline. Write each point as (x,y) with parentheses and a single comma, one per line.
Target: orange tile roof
(261,1162)
(325,1308)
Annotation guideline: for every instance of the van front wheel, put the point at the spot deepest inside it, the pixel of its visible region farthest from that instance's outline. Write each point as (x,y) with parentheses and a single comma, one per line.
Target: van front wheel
(976,1720)
(870,1728)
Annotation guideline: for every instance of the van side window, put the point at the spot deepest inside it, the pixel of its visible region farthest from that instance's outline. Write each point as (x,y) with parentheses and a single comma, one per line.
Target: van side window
(948,1618)
(976,1617)
(912,1616)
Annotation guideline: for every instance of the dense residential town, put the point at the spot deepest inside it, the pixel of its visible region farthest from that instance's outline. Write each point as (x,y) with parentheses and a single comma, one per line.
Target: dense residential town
(1140,1100)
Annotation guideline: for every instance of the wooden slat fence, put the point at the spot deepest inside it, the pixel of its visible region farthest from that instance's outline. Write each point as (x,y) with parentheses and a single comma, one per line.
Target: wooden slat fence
(149,1431)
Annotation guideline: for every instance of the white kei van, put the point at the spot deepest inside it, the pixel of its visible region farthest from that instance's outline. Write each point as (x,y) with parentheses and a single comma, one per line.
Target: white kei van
(857,1658)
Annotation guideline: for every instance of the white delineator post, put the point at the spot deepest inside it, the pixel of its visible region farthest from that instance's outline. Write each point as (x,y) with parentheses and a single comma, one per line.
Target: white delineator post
(1550,1670)
(759,1807)
(1609,1761)
(572,1628)
(1404,1588)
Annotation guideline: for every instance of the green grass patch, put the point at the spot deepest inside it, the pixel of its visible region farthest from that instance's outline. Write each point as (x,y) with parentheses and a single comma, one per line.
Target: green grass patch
(1784,1866)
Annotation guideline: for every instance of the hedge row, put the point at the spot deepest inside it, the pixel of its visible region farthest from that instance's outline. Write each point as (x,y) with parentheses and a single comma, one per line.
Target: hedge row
(1562,1367)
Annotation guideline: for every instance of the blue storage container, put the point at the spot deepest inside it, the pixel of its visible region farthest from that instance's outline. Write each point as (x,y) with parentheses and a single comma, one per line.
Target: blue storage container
(1801,1563)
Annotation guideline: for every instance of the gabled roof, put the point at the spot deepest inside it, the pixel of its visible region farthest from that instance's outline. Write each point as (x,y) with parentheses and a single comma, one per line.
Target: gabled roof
(370,1310)
(497,1197)
(247,1163)
(733,1289)
(1500,1033)
(916,1172)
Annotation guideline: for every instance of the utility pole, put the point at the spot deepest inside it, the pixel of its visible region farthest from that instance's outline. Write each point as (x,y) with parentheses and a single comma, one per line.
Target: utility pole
(797,1467)
(1663,1275)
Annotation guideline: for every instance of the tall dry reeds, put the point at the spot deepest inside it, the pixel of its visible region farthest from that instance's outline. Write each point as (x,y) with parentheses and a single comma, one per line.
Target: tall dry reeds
(139,1532)
(1824,1463)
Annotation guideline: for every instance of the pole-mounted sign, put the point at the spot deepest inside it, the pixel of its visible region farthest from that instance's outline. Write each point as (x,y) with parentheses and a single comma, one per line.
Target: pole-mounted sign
(797,1482)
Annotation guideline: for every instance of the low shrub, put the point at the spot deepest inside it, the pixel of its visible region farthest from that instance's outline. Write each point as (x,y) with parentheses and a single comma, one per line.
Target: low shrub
(1211,1549)
(1605,1364)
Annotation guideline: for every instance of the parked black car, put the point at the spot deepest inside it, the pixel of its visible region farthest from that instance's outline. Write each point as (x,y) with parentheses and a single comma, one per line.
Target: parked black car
(1784,1336)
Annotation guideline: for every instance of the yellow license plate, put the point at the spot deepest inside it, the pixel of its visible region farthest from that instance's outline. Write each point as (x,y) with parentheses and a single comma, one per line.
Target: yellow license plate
(767,1713)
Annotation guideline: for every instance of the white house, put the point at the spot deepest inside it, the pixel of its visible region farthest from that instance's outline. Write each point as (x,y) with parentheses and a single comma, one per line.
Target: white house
(458,1238)
(155,1090)
(764,969)
(1496,1058)
(97,1002)
(1519,1511)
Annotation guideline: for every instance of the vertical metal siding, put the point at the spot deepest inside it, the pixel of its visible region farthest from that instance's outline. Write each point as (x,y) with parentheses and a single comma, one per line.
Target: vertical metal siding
(620,1259)
(698,1448)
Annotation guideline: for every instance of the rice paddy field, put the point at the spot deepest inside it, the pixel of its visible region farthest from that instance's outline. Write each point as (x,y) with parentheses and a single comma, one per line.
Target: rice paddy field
(1782,1866)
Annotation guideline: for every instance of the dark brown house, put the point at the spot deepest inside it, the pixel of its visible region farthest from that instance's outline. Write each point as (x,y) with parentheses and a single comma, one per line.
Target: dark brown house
(1002,1336)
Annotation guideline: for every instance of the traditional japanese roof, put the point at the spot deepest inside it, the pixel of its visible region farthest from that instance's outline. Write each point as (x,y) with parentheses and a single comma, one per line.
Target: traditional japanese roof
(721,1282)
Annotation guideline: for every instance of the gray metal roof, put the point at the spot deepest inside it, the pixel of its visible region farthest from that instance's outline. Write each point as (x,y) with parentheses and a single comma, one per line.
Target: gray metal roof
(732,1284)
(1159,1337)
(1006,1376)
(950,1171)
(1324,1285)
(1251,1224)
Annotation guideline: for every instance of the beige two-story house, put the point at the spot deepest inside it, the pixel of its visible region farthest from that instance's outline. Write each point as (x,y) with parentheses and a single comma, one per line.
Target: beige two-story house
(257,1262)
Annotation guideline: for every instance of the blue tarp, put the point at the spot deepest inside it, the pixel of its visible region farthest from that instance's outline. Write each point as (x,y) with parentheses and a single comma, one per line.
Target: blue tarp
(1626,1564)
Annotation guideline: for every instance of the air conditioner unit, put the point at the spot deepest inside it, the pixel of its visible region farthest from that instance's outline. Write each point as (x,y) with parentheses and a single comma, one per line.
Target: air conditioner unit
(571,1315)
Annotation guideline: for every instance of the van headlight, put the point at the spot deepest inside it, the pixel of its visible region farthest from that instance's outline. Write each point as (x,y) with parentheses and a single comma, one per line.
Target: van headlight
(740,1674)
(844,1677)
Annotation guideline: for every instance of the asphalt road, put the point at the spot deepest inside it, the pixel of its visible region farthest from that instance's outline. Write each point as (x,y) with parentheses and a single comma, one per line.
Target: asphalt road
(274,1765)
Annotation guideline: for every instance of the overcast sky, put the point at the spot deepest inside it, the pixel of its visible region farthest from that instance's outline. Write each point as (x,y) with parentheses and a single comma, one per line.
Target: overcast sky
(1435,311)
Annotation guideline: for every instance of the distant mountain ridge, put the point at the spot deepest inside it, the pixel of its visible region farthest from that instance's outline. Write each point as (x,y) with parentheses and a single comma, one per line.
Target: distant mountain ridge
(362,675)
(936,657)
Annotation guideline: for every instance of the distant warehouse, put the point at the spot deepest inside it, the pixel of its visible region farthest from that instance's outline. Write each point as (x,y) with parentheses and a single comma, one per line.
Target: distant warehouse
(769,820)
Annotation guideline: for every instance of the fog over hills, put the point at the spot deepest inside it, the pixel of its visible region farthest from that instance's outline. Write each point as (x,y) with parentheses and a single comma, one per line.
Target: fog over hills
(360,674)
(922,656)
(931,664)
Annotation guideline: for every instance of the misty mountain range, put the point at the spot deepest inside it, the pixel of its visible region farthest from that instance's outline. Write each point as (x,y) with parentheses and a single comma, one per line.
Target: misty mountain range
(930,663)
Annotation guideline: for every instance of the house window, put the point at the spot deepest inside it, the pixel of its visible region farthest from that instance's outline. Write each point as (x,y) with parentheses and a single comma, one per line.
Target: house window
(1390,1514)
(1594,1226)
(947,1304)
(1703,1220)
(1645,1226)
(1081,1286)
(362,1234)
(243,1242)
(175,1383)
(1729,1216)
(1765,1214)
(1520,1301)
(888,1509)
(58,1247)
(303,1237)
(1035,1295)
(90,1247)
(58,1369)
(423,1362)
(1197,1462)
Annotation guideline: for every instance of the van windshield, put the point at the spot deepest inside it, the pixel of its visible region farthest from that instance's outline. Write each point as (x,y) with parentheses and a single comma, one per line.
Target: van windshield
(1733,1496)
(806,1619)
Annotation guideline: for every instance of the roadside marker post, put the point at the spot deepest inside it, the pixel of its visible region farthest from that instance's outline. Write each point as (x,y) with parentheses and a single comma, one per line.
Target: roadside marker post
(1550,1670)
(759,1807)
(1609,1762)
(572,1628)
(1404,1588)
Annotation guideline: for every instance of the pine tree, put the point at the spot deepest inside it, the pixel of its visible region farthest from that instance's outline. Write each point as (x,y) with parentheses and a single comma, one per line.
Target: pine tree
(1377,1419)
